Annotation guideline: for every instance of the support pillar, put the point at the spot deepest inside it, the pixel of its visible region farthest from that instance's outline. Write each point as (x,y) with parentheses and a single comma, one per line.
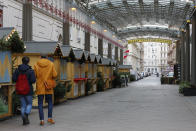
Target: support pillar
(193,60)
(178,52)
(116,53)
(121,56)
(109,51)
(87,41)
(187,54)
(100,47)
(66,33)
(182,56)
(27,21)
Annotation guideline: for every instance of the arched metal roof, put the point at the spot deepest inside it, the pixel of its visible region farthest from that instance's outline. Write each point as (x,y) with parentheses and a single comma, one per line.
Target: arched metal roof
(148,31)
(125,15)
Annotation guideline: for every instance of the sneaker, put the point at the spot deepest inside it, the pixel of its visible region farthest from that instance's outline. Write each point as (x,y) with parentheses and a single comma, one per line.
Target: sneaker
(51,121)
(27,119)
(41,122)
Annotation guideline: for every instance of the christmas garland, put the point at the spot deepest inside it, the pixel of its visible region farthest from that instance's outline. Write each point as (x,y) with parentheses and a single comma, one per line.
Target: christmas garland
(13,43)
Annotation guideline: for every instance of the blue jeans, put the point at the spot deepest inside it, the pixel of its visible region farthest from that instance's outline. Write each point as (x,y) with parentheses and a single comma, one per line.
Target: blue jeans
(26,104)
(48,99)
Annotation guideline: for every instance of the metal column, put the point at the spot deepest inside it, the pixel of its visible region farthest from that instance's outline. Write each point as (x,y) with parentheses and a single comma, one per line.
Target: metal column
(27,21)
(100,47)
(182,44)
(109,50)
(116,53)
(121,56)
(187,54)
(87,41)
(178,52)
(193,60)
(66,33)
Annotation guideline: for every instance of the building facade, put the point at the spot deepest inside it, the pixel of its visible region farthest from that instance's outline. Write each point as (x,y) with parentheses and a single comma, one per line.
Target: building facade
(135,56)
(155,57)
(172,55)
(59,20)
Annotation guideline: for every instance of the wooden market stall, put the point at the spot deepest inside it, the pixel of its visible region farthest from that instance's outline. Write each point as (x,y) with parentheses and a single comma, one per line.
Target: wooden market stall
(105,69)
(33,51)
(124,68)
(110,72)
(66,68)
(88,74)
(101,81)
(79,74)
(93,72)
(10,42)
(5,84)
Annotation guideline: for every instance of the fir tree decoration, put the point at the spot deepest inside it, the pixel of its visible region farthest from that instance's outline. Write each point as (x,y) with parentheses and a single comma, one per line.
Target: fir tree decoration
(16,44)
(4,45)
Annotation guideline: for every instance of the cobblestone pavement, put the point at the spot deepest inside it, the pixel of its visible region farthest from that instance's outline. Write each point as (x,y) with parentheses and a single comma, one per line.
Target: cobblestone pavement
(144,105)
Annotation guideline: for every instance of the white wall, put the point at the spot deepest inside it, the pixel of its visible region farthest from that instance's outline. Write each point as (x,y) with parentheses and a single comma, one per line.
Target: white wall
(45,28)
(12,14)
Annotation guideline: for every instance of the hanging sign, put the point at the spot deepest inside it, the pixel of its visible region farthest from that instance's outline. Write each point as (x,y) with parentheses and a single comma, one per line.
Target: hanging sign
(150,40)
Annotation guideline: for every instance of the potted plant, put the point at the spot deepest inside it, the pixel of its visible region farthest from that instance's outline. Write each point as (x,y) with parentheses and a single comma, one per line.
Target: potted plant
(59,92)
(69,86)
(186,89)
(100,82)
(89,86)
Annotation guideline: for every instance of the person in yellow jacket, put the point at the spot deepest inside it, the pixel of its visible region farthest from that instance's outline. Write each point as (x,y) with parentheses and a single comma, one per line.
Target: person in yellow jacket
(44,70)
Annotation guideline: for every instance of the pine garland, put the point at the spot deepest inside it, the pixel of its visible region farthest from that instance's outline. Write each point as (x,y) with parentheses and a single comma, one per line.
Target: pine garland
(15,44)
(4,45)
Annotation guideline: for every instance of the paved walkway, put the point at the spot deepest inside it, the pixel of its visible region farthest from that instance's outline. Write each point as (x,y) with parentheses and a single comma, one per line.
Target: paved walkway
(143,106)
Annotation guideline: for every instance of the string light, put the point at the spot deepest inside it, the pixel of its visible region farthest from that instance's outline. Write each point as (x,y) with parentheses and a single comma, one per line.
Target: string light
(73,9)
(105,30)
(93,22)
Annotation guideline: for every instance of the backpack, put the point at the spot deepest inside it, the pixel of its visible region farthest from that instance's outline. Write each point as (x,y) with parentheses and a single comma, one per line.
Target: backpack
(22,84)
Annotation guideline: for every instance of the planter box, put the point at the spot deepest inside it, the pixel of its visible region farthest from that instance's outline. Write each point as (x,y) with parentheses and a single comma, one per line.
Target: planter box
(189,91)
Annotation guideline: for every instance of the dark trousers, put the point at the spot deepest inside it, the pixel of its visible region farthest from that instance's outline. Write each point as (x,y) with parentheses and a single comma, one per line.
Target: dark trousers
(48,99)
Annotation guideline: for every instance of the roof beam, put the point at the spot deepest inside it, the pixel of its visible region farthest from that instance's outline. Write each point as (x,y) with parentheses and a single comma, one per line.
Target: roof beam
(186,9)
(131,11)
(170,13)
(141,4)
(120,14)
(101,19)
(156,5)
(148,31)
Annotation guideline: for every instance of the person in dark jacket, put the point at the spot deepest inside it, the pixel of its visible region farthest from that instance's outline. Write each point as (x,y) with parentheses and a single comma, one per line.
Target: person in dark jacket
(126,80)
(26,100)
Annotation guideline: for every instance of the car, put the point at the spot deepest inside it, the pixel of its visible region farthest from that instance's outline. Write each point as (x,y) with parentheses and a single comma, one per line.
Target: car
(134,74)
(142,75)
(170,74)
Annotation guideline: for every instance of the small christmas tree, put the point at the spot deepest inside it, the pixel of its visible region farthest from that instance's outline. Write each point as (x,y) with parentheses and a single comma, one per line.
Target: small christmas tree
(16,44)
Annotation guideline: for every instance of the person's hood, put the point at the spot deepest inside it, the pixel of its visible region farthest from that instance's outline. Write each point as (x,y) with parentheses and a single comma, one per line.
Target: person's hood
(43,63)
(23,67)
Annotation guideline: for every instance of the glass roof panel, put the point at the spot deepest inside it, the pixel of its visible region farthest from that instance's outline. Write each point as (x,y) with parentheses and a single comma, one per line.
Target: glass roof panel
(127,14)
